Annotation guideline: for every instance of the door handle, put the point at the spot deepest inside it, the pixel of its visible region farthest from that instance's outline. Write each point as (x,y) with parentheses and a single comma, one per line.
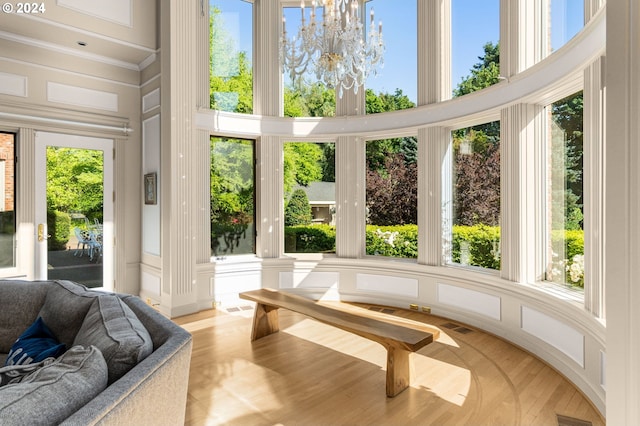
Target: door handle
(41,236)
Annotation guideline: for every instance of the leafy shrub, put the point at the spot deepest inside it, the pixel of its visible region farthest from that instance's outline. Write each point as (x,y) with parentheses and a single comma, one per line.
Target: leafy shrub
(298,210)
(478,244)
(573,241)
(393,241)
(481,244)
(319,238)
(58,226)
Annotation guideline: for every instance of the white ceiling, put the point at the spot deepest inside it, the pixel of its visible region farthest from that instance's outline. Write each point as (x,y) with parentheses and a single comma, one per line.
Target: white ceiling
(118,32)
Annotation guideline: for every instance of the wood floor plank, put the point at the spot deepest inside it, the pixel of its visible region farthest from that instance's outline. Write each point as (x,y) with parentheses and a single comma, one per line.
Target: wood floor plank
(314,374)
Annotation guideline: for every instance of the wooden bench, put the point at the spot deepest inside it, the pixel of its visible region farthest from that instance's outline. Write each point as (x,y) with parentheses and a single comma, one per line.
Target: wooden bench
(399,339)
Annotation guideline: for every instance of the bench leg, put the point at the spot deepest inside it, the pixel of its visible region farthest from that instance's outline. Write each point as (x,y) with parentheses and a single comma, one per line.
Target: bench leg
(265,321)
(398,370)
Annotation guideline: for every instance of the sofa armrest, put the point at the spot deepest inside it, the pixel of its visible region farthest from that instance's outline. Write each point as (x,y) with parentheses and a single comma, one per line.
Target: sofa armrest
(155,390)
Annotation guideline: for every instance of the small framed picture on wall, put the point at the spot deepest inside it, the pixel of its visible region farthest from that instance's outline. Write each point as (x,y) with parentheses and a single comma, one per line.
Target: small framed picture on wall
(150,189)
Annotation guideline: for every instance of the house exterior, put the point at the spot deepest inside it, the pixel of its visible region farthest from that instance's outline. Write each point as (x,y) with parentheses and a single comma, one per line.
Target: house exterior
(321,197)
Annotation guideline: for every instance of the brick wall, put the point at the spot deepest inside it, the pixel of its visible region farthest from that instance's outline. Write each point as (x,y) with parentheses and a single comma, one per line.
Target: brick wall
(7,157)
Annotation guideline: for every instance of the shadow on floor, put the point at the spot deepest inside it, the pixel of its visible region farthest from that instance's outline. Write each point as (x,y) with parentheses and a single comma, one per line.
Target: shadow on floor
(65,265)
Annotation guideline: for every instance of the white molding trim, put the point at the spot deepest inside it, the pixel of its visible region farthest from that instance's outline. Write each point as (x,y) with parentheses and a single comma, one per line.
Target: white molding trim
(92,126)
(52,47)
(73,73)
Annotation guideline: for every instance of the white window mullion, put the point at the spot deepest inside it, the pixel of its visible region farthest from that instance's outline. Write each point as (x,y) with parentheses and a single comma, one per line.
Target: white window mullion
(594,141)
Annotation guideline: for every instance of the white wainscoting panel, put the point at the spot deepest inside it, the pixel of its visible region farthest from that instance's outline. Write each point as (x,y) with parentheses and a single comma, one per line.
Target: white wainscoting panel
(151,100)
(81,96)
(554,332)
(309,279)
(150,283)
(225,287)
(13,84)
(405,287)
(119,11)
(470,300)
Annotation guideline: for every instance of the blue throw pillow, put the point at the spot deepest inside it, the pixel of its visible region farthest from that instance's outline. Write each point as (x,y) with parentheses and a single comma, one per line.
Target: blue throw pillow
(34,345)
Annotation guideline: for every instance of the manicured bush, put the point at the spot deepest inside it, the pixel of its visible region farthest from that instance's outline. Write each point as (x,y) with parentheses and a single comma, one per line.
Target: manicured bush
(393,241)
(573,242)
(58,227)
(298,209)
(477,245)
(481,245)
(319,238)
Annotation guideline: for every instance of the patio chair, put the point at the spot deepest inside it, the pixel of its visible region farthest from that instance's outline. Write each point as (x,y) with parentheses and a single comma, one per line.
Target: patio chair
(86,241)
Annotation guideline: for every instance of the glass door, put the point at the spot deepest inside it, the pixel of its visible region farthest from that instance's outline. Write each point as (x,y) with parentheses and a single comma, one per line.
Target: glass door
(74,209)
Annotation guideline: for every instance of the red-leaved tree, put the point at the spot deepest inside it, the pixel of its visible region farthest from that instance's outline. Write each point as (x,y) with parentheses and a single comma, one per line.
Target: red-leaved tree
(392,192)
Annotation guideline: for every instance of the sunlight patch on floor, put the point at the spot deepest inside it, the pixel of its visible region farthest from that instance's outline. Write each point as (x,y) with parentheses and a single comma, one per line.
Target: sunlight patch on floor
(451,383)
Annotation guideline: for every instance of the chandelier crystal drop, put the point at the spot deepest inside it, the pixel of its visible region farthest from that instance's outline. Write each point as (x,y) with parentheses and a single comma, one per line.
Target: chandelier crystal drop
(335,48)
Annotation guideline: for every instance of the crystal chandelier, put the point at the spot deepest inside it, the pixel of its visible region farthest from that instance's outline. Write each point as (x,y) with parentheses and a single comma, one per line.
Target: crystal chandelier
(335,49)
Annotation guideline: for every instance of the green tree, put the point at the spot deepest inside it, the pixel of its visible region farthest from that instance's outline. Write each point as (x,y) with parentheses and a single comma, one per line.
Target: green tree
(298,209)
(378,150)
(302,164)
(232,181)
(567,162)
(75,181)
(309,100)
(231,82)
(484,73)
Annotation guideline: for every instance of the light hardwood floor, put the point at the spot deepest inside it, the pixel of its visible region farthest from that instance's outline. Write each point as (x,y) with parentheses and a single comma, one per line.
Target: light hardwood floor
(314,374)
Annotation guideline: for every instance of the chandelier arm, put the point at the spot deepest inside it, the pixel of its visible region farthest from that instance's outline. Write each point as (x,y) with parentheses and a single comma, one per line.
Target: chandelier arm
(337,50)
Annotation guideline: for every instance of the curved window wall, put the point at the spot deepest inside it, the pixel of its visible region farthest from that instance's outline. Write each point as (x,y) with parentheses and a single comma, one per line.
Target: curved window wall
(505,160)
(471,210)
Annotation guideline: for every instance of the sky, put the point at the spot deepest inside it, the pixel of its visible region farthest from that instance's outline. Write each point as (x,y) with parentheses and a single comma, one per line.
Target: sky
(474,23)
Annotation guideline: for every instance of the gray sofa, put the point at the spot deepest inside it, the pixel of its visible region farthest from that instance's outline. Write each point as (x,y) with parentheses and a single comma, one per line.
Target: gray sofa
(124,363)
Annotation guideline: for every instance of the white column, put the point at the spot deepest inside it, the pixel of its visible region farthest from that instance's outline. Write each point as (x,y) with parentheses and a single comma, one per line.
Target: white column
(269,197)
(622,210)
(184,65)
(593,176)
(520,226)
(350,196)
(267,75)
(594,139)
(522,42)
(434,51)
(432,147)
